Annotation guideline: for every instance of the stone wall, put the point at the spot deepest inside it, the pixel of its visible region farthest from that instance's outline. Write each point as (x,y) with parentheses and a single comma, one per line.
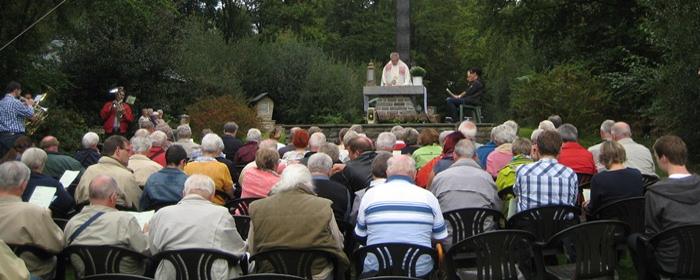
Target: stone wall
(373,130)
(395,108)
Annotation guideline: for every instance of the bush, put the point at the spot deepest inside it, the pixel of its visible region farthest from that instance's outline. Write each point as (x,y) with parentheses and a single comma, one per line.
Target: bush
(417,71)
(66,125)
(214,112)
(567,90)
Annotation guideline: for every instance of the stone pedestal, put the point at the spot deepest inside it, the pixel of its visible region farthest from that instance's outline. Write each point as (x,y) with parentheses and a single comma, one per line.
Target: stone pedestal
(395,103)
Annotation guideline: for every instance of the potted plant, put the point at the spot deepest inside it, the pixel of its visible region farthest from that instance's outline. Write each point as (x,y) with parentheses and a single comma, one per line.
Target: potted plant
(417,73)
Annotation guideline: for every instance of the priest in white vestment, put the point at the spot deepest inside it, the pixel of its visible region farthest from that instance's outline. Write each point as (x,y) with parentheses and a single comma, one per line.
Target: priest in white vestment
(396,72)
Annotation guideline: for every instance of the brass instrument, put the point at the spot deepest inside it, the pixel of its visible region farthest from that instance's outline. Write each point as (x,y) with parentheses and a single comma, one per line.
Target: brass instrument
(40,114)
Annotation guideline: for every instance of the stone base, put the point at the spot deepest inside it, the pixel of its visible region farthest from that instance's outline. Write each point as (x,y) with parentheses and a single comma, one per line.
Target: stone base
(396,108)
(267,125)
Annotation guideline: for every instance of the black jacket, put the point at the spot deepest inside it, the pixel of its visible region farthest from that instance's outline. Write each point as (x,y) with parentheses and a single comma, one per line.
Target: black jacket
(87,157)
(231,145)
(357,173)
(337,193)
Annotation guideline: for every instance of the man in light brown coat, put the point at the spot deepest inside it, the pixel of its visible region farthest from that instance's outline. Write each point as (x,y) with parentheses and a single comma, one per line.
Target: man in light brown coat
(116,150)
(142,166)
(22,223)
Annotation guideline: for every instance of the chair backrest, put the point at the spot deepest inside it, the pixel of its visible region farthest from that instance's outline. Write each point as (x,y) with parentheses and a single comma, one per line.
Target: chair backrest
(395,259)
(295,262)
(102,259)
(239,207)
(684,242)
(496,254)
(595,246)
(242,225)
(269,276)
(116,276)
(544,222)
(506,192)
(467,222)
(349,241)
(194,263)
(583,178)
(649,180)
(628,210)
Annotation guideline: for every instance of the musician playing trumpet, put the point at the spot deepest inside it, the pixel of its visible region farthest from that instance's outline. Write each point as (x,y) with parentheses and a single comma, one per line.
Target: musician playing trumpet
(13,113)
(116,114)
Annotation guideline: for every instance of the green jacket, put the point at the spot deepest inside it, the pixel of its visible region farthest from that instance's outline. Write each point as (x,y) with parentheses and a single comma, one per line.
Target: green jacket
(506,177)
(57,164)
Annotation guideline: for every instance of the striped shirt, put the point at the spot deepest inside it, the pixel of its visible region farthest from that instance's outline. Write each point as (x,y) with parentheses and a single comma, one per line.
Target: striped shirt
(545,182)
(12,115)
(399,211)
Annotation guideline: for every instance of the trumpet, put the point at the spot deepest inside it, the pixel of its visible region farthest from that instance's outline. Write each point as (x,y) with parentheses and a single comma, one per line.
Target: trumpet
(40,114)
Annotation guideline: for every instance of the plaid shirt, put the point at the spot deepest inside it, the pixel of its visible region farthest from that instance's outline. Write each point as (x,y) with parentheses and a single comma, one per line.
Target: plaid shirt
(12,114)
(545,182)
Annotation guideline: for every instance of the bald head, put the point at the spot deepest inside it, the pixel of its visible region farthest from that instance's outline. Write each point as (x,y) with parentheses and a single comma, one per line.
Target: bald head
(49,144)
(200,185)
(103,190)
(621,130)
(401,165)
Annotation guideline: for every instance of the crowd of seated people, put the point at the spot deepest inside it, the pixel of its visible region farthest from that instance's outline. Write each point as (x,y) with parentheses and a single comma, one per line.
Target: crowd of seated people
(390,189)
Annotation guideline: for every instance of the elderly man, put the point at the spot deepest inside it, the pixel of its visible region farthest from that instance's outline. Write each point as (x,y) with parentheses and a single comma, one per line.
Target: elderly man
(62,205)
(196,222)
(22,223)
(316,140)
(605,135)
(414,217)
(320,167)
(395,72)
(546,181)
(159,142)
(89,154)
(116,150)
(356,173)
(165,186)
(294,217)
(139,162)
(385,142)
(58,163)
(209,166)
(572,154)
(638,156)
(100,223)
(231,143)
(184,139)
(469,129)
(246,153)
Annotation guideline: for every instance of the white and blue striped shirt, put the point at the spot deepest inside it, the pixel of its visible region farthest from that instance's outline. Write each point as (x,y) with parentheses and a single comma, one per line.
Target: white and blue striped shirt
(545,182)
(12,115)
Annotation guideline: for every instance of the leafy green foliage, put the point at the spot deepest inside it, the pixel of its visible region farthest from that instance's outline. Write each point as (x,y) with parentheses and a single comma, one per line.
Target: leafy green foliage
(214,112)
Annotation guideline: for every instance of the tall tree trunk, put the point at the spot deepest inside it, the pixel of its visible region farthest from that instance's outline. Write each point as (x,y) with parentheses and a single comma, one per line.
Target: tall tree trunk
(403,29)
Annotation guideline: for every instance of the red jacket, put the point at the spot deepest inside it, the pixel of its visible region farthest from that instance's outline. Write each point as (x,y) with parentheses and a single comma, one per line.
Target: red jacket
(576,157)
(157,154)
(108,113)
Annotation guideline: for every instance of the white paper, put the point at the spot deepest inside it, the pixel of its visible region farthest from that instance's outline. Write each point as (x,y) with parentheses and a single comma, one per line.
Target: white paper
(42,196)
(511,208)
(68,177)
(142,217)
(586,194)
(396,153)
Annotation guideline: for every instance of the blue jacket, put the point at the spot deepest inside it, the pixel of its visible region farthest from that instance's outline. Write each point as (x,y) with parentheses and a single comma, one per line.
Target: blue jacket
(164,186)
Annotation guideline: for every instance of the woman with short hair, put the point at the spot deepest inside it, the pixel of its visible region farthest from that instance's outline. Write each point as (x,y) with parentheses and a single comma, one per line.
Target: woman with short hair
(617,181)
(258,181)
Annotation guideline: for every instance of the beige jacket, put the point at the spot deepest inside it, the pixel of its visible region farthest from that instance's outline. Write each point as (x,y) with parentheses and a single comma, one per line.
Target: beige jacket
(112,228)
(11,267)
(195,223)
(189,145)
(129,197)
(22,223)
(143,167)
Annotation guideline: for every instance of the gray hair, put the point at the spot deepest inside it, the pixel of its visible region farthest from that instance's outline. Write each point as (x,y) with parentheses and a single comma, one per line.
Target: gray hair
(159,139)
(142,133)
(331,150)
(503,134)
(547,125)
(140,144)
(212,143)
(268,144)
(294,176)
(568,132)
(521,146)
(13,174)
(468,129)
(199,184)
(606,126)
(320,163)
(90,140)
(254,135)
(535,134)
(184,132)
(401,165)
(411,136)
(399,132)
(316,140)
(349,136)
(102,187)
(356,128)
(465,148)
(146,124)
(621,130)
(386,141)
(35,159)
(230,127)
(443,135)
(512,124)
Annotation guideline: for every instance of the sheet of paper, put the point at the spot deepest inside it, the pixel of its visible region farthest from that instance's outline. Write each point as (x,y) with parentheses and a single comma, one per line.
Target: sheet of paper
(511,208)
(587,194)
(396,153)
(142,217)
(42,196)
(68,177)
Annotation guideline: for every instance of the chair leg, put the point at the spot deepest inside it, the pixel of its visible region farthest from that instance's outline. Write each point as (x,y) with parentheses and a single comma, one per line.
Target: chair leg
(479,117)
(461,113)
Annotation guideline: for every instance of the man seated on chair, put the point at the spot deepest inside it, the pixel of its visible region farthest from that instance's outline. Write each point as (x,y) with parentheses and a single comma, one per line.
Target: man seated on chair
(572,154)
(195,222)
(671,202)
(139,162)
(100,223)
(23,223)
(63,205)
(546,181)
(166,185)
(471,96)
(293,217)
(413,217)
